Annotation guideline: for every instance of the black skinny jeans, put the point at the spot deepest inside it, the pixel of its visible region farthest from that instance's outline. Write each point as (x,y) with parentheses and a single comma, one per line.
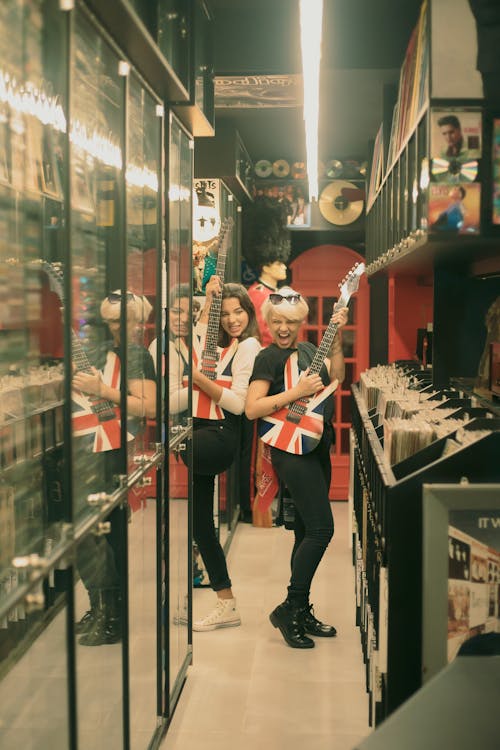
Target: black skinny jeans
(214,449)
(308,480)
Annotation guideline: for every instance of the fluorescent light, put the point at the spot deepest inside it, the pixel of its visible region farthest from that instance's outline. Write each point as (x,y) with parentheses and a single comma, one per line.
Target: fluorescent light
(311,20)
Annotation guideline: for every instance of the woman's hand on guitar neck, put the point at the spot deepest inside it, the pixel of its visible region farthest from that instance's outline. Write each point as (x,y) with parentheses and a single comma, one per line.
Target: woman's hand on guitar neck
(340,316)
(88,382)
(307,385)
(212,289)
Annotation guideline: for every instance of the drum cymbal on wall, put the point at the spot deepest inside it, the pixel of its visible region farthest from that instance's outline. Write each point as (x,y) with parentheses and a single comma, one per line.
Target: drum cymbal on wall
(337,204)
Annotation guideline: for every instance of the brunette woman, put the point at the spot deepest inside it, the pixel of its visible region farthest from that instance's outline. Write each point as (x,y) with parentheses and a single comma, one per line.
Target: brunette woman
(215,440)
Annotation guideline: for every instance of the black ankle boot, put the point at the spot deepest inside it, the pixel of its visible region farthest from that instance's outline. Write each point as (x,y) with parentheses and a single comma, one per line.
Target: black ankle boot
(286,618)
(88,619)
(313,626)
(107,625)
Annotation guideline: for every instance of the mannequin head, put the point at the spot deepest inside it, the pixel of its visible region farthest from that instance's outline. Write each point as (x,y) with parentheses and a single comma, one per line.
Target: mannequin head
(266,240)
(273,272)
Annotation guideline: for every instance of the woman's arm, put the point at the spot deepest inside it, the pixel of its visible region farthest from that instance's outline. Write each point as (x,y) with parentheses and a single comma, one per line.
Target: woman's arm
(178,393)
(212,289)
(259,404)
(233,399)
(141,399)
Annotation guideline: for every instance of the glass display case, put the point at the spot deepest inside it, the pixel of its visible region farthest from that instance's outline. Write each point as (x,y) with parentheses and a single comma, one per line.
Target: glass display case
(178,344)
(91,557)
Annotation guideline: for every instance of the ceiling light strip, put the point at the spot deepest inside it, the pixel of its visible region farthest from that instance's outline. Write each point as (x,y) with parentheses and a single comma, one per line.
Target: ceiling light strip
(311,21)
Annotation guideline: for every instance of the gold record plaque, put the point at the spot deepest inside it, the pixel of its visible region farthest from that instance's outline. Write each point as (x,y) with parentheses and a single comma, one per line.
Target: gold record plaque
(281,168)
(341,202)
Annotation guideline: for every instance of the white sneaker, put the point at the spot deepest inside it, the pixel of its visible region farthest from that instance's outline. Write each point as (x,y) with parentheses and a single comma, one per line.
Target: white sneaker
(181,617)
(225,615)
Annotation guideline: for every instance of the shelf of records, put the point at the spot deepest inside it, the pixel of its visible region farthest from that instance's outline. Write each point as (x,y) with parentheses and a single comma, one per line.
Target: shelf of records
(435,191)
(404,433)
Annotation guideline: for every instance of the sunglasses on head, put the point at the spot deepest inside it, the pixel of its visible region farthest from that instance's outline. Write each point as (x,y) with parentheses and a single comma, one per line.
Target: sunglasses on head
(277,299)
(115,297)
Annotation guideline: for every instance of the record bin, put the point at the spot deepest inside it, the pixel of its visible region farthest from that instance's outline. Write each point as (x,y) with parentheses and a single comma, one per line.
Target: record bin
(387,544)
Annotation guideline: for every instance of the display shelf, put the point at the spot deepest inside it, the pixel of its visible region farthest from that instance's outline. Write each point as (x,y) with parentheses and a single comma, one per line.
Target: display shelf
(387,503)
(138,44)
(225,157)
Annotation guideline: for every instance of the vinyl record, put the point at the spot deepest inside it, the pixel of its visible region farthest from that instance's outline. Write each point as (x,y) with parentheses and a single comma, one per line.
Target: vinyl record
(281,168)
(299,170)
(333,169)
(454,170)
(341,202)
(263,168)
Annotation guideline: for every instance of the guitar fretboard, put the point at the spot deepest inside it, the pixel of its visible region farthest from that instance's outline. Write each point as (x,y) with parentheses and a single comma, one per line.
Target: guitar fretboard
(299,407)
(100,406)
(210,355)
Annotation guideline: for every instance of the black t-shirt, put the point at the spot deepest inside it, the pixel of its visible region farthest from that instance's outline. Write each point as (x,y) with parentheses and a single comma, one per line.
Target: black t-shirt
(270,365)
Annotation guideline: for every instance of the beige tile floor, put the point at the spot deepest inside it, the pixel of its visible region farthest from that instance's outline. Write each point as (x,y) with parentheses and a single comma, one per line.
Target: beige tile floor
(246,688)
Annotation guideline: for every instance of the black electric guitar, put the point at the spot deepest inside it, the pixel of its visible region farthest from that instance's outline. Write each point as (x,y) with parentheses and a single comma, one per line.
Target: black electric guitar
(298,427)
(91,415)
(213,362)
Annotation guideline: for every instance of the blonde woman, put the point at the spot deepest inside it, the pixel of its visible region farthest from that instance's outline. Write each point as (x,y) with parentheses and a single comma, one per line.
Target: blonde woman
(307,476)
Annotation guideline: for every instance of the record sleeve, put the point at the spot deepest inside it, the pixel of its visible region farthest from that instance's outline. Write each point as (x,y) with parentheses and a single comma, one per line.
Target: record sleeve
(456,134)
(454,209)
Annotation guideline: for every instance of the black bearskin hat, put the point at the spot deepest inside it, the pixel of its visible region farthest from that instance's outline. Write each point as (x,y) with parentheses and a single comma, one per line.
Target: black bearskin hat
(265,238)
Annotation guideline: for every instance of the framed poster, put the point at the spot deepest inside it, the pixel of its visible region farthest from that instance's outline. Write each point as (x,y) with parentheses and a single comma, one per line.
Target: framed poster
(461,569)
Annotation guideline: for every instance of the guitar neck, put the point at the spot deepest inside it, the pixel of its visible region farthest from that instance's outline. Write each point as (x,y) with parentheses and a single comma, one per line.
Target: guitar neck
(80,359)
(212,335)
(100,406)
(325,346)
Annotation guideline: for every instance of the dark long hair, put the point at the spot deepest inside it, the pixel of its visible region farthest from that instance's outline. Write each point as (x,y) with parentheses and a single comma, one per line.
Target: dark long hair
(239,292)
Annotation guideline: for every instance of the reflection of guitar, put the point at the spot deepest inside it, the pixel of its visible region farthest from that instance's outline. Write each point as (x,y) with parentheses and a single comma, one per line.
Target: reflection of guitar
(298,427)
(213,362)
(91,415)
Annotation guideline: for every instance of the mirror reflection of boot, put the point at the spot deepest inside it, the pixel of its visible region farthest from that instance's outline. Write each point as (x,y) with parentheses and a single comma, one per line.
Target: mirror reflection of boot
(88,619)
(107,627)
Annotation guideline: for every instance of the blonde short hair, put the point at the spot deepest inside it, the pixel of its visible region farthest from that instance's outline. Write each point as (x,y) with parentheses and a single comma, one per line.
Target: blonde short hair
(299,311)
(137,305)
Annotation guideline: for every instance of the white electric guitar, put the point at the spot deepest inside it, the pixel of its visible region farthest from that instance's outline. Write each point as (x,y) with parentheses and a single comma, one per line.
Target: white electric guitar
(298,427)
(208,357)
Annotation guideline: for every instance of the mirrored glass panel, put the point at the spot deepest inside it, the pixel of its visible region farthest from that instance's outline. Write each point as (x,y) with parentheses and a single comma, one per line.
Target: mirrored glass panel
(96,158)
(32,127)
(174,35)
(98,628)
(98,321)
(179,321)
(142,184)
(34,686)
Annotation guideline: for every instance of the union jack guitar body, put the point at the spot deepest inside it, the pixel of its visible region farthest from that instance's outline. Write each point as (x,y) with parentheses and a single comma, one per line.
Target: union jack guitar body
(92,416)
(298,427)
(211,360)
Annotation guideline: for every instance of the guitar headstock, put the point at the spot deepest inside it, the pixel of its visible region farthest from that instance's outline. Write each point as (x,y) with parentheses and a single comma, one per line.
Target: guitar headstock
(350,283)
(54,271)
(223,244)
